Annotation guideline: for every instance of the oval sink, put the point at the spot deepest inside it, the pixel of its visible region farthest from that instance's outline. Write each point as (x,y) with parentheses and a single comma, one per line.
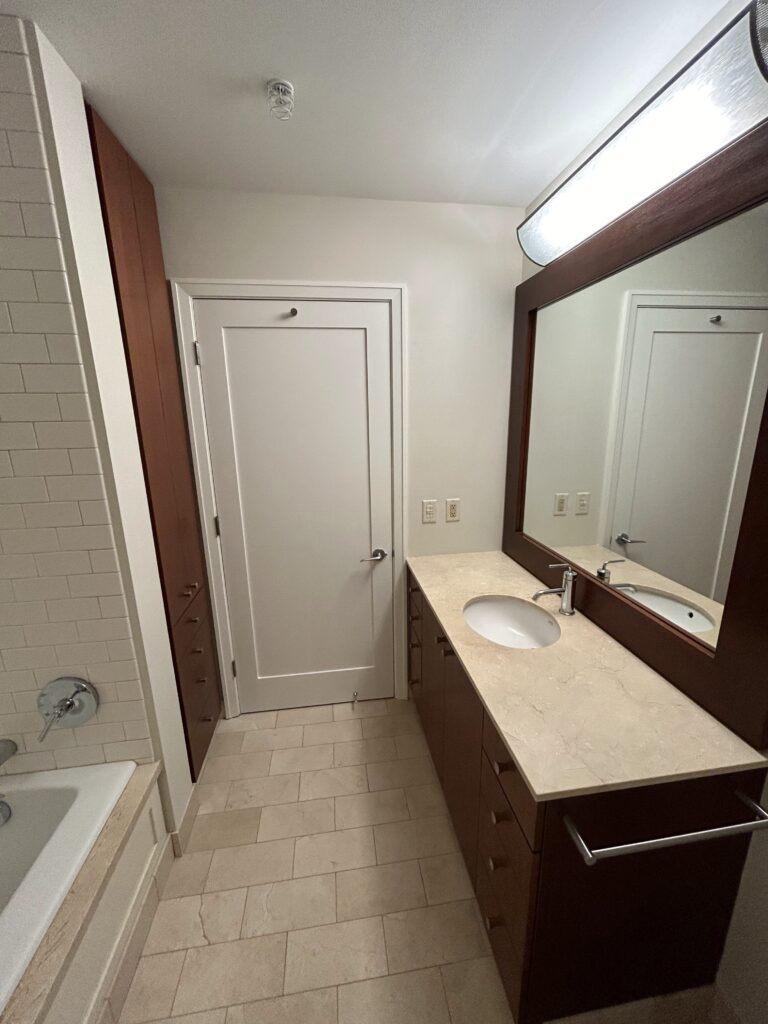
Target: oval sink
(674,609)
(512,622)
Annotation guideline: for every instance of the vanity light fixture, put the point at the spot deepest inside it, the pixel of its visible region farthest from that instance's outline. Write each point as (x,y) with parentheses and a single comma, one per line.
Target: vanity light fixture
(716,99)
(280,96)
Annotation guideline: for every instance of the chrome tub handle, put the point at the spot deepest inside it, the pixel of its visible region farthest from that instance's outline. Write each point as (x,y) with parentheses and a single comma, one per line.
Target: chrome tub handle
(591,857)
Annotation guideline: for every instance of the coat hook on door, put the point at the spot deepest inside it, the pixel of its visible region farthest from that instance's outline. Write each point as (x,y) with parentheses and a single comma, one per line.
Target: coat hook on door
(715,319)
(354,697)
(293,312)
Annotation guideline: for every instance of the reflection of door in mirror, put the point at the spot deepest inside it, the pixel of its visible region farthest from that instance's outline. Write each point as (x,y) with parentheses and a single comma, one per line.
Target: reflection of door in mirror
(694,388)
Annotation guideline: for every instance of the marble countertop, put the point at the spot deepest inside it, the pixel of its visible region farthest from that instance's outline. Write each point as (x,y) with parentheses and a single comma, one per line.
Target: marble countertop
(584,715)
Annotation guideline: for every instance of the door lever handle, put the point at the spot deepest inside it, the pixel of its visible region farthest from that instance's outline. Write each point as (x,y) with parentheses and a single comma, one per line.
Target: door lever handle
(377,555)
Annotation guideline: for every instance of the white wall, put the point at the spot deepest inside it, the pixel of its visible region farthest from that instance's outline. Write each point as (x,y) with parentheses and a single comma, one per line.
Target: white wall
(124,500)
(62,592)
(578,351)
(460,265)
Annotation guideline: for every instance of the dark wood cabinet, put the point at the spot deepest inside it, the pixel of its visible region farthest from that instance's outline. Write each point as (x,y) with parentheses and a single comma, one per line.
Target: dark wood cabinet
(133,236)
(569,937)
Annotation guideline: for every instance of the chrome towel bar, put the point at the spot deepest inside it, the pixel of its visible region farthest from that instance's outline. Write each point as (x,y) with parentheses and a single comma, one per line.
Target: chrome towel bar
(591,857)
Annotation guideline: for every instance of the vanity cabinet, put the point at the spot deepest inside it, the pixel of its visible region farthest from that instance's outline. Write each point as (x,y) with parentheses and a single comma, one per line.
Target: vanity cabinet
(569,937)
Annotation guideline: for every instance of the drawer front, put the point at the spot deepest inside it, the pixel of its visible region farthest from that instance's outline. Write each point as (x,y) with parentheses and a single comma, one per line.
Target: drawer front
(197,673)
(414,660)
(529,814)
(509,959)
(415,610)
(509,871)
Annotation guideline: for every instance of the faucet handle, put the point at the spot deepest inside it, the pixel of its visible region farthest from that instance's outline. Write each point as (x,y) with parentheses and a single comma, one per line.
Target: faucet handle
(564,565)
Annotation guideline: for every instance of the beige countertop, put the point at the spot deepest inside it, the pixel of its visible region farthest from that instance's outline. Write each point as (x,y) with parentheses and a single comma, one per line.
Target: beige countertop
(583,715)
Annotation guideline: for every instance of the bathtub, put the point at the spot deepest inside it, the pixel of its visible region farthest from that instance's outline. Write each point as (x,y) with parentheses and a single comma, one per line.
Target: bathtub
(56,819)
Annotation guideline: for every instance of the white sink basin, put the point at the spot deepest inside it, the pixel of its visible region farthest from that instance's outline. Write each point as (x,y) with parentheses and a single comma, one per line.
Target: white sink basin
(512,622)
(676,610)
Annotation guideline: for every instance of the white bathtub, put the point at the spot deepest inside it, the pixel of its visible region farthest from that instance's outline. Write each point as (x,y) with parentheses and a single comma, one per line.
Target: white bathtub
(56,819)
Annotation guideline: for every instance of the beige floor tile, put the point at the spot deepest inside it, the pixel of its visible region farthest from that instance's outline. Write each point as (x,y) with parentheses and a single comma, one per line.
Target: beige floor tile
(317,1007)
(371,808)
(176,925)
(334,954)
(415,998)
(187,875)
(273,739)
(332,732)
(226,743)
(412,745)
(207,1017)
(333,782)
(426,801)
(364,752)
(231,972)
(395,706)
(416,771)
(366,892)
(276,789)
(334,851)
(404,840)
(224,828)
(246,722)
(250,865)
(305,716)
(236,766)
(361,709)
(434,935)
(475,993)
(286,906)
(390,725)
(222,914)
(212,796)
(446,878)
(150,996)
(301,759)
(298,819)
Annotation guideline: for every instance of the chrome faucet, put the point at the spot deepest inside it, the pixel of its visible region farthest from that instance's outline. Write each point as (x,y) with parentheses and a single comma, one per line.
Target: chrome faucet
(565,590)
(7,749)
(604,573)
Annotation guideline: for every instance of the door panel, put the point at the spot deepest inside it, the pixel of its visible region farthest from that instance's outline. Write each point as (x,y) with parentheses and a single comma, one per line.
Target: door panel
(298,411)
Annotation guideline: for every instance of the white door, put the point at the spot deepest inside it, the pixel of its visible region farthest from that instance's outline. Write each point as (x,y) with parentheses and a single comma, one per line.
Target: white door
(298,410)
(696,384)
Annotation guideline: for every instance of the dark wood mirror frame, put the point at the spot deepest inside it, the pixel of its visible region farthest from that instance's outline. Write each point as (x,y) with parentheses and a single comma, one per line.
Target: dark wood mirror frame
(731,681)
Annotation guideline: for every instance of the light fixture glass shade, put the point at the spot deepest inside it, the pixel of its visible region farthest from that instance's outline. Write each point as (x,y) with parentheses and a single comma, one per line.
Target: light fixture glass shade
(721,95)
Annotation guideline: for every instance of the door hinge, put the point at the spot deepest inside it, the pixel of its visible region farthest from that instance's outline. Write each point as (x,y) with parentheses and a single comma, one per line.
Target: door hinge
(234,668)
(217,526)
(196,347)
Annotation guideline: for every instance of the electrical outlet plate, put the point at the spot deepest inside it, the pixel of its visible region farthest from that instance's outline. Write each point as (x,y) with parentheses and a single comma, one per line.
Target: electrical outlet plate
(452,510)
(582,502)
(429,510)
(561,505)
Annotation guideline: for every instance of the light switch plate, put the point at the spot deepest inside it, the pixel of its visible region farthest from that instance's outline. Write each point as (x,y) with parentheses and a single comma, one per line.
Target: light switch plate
(429,510)
(582,502)
(561,505)
(452,510)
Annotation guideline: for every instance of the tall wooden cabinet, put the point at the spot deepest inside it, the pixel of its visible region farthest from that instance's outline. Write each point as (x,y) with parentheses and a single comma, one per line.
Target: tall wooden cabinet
(568,937)
(133,235)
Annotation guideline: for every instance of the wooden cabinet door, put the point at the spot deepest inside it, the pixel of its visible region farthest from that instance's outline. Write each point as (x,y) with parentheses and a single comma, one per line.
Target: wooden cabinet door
(432,705)
(462,757)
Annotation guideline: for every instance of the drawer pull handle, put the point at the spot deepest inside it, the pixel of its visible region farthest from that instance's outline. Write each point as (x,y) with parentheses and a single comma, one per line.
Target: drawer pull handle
(187,593)
(492,922)
(591,857)
(497,816)
(413,590)
(197,650)
(195,619)
(494,863)
(207,718)
(448,652)
(441,638)
(499,767)
(193,586)
(414,646)
(414,618)
(202,679)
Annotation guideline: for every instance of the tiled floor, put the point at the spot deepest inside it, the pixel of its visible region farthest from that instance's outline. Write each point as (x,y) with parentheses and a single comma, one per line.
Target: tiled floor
(322,884)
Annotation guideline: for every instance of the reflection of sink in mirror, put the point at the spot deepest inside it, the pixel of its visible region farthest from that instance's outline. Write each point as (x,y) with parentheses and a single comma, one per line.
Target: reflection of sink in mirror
(512,622)
(680,613)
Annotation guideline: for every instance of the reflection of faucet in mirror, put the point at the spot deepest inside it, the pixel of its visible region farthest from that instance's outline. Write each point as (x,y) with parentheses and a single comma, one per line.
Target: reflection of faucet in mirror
(604,573)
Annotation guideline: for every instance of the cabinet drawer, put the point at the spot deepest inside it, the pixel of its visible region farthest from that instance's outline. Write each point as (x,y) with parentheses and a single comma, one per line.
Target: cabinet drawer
(509,872)
(415,597)
(414,660)
(529,814)
(509,959)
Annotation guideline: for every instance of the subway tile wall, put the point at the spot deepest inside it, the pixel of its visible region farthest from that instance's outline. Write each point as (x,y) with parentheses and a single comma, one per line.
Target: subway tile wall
(62,607)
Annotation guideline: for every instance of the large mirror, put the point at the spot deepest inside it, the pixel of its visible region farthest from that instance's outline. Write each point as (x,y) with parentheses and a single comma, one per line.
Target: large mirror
(647,397)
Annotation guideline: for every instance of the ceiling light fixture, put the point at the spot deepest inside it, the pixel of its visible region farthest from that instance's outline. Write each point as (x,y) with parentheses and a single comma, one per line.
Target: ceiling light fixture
(719,96)
(280,98)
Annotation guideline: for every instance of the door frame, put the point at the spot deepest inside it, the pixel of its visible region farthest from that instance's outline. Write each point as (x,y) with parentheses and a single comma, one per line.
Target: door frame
(635,300)
(184,292)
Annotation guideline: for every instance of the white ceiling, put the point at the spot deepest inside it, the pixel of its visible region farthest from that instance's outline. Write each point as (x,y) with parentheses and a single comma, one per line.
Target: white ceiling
(480,101)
